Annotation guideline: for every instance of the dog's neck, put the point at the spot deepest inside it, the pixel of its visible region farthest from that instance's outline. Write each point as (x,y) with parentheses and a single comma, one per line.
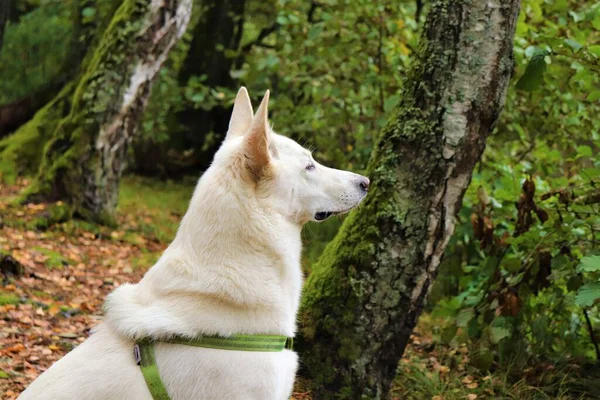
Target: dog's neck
(232,268)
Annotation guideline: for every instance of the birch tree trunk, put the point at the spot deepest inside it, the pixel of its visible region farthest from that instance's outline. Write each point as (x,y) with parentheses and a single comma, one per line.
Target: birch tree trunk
(363,297)
(86,155)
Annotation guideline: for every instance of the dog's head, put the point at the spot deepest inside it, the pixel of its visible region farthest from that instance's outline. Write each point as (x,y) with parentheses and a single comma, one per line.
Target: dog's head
(282,175)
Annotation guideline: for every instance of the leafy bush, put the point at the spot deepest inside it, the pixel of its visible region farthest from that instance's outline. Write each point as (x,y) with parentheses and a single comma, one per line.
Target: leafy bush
(522,276)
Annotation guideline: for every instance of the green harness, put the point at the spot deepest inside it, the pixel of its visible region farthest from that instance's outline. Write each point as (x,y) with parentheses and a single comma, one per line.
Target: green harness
(143,352)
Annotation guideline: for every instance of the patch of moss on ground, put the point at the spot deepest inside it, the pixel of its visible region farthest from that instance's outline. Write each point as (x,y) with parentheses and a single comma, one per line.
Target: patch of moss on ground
(54,214)
(8,298)
(55,259)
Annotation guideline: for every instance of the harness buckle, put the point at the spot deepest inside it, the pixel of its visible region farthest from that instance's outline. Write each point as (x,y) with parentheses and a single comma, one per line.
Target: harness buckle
(289,343)
(137,354)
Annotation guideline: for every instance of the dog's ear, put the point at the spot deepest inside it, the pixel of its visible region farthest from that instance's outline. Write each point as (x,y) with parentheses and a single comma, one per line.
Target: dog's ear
(241,117)
(256,142)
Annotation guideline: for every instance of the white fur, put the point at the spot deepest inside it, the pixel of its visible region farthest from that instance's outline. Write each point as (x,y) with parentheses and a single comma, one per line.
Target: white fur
(234,267)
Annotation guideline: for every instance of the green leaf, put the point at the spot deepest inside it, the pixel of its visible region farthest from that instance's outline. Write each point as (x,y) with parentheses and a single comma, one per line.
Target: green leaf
(574,283)
(595,49)
(448,334)
(511,264)
(593,96)
(88,12)
(497,334)
(574,45)
(391,102)
(534,74)
(464,316)
(584,151)
(282,19)
(588,294)
(589,264)
(237,73)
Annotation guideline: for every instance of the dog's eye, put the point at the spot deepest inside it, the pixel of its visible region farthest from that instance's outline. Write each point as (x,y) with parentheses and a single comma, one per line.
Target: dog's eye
(310,167)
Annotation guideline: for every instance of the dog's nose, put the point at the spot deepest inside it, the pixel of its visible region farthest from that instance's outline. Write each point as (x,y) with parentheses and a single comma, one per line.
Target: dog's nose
(364,183)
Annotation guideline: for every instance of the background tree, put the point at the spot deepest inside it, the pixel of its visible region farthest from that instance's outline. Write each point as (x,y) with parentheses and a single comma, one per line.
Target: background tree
(363,298)
(86,155)
(39,84)
(188,112)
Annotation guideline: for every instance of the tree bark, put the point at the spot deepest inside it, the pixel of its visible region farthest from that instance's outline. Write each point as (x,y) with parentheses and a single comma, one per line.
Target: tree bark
(363,297)
(86,155)
(216,36)
(34,117)
(21,153)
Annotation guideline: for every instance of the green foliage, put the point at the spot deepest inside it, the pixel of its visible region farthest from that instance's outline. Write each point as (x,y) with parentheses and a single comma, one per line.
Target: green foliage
(21,152)
(35,50)
(8,298)
(41,48)
(534,74)
(588,294)
(335,68)
(525,258)
(167,98)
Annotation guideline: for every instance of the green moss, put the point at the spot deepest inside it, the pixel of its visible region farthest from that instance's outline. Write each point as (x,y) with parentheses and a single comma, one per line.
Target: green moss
(55,259)
(55,213)
(21,152)
(8,298)
(71,170)
(42,295)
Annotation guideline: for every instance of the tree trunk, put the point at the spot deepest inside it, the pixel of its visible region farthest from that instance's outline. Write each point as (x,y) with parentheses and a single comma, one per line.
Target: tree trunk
(216,35)
(363,297)
(36,116)
(21,152)
(84,160)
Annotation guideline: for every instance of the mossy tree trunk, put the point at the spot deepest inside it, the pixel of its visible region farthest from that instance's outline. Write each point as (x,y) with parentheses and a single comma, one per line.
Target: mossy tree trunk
(35,117)
(21,152)
(86,155)
(363,297)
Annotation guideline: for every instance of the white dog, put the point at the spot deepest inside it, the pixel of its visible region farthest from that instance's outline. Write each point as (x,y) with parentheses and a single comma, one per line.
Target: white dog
(233,268)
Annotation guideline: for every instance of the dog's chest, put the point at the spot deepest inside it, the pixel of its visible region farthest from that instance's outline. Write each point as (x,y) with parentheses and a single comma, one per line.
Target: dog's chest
(202,373)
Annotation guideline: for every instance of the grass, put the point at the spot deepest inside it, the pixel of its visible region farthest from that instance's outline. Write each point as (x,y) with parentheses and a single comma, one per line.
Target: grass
(54,259)
(153,208)
(8,298)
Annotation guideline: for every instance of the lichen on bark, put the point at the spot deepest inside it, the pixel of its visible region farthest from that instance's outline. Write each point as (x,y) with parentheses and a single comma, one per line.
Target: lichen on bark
(364,295)
(85,157)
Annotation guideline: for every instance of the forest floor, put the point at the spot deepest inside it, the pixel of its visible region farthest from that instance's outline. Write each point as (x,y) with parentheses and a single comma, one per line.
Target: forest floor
(70,267)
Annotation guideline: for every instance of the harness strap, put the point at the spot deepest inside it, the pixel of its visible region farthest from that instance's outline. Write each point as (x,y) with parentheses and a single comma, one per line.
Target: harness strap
(144,356)
(144,353)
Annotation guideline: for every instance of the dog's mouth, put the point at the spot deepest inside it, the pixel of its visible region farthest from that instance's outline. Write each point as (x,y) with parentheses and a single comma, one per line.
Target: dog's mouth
(323,215)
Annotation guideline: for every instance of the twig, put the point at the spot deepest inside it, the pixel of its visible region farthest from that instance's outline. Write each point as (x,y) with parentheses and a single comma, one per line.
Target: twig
(592,337)
(419,10)
(311,11)
(264,32)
